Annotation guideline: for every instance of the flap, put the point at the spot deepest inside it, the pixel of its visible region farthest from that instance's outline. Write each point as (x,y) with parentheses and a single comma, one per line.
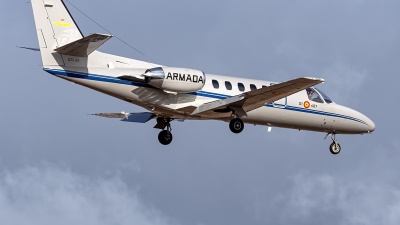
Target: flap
(84,46)
(254,99)
(218,104)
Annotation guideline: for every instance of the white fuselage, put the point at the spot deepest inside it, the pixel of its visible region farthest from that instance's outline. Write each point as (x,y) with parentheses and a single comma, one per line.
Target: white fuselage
(296,111)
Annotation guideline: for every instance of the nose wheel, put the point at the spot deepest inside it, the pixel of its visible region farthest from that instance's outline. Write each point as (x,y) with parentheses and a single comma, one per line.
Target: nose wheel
(334,148)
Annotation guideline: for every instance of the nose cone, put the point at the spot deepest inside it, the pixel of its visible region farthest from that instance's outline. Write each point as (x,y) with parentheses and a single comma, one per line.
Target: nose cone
(370,123)
(367,125)
(356,122)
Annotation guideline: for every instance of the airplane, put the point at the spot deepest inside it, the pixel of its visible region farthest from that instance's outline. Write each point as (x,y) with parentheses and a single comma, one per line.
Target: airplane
(179,94)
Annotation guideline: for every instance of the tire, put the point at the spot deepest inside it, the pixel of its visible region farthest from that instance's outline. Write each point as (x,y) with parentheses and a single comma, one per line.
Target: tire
(335,150)
(165,137)
(236,125)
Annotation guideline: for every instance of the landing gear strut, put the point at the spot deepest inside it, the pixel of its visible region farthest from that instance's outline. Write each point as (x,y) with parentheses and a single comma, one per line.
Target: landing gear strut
(236,125)
(335,146)
(165,136)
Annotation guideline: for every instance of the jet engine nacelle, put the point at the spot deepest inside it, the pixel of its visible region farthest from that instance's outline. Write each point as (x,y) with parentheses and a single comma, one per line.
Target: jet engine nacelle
(179,80)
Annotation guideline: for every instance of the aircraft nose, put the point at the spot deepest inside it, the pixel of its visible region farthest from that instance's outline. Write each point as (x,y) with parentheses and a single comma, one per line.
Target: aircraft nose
(357,123)
(370,124)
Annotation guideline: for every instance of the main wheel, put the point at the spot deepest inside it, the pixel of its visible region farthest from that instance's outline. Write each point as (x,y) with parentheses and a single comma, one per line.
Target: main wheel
(165,137)
(236,125)
(335,148)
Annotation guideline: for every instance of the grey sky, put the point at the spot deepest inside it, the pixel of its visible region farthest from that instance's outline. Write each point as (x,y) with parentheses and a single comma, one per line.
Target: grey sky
(59,165)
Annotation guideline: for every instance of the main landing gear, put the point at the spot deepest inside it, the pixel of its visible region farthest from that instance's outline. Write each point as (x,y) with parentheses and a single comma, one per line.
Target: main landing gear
(335,146)
(165,136)
(236,124)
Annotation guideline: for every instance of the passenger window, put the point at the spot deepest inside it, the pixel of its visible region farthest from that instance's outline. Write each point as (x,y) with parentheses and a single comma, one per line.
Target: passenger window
(215,84)
(253,87)
(313,95)
(228,85)
(264,86)
(241,87)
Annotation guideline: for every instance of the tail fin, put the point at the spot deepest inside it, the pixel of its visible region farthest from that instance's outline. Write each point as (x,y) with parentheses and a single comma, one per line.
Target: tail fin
(55,28)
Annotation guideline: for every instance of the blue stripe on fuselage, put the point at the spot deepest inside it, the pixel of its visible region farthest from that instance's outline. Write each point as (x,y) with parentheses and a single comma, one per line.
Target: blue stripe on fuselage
(102,78)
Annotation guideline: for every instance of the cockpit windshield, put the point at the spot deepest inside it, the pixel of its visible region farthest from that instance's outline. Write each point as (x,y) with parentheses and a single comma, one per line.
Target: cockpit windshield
(326,98)
(313,95)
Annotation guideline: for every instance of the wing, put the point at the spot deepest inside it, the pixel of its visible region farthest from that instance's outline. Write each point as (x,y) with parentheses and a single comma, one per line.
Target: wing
(255,99)
(84,46)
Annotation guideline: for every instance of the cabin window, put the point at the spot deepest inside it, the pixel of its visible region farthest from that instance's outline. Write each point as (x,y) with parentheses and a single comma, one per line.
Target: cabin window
(228,85)
(215,84)
(253,87)
(324,96)
(241,87)
(313,95)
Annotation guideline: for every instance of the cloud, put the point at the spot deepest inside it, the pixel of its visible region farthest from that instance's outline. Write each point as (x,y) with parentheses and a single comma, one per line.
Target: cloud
(344,80)
(329,200)
(49,195)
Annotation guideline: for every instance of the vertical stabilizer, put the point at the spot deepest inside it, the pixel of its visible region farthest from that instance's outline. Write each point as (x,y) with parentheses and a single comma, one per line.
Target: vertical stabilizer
(55,28)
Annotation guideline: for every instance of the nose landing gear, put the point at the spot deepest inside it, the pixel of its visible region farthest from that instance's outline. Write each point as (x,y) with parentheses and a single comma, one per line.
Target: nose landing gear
(334,148)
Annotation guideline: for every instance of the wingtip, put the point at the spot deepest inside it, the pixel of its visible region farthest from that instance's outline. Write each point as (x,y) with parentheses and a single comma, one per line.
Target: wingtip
(315,78)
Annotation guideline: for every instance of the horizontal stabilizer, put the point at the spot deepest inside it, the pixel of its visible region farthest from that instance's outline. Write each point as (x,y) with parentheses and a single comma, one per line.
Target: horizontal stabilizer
(129,117)
(85,46)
